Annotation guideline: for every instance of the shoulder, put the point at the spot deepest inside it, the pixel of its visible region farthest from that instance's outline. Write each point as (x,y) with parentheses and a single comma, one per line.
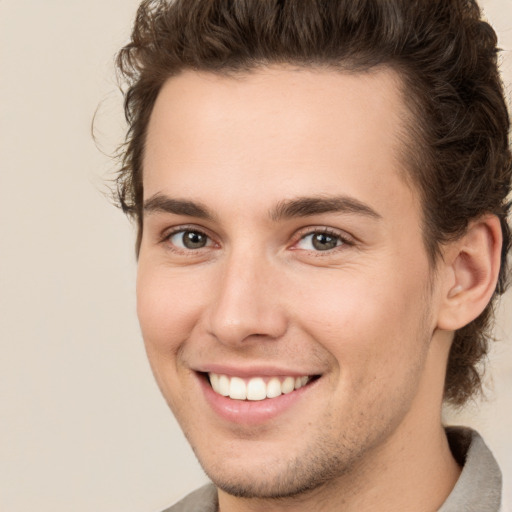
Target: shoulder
(203,499)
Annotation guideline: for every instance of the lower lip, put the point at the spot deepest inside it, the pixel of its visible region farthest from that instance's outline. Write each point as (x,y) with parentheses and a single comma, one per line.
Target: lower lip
(251,412)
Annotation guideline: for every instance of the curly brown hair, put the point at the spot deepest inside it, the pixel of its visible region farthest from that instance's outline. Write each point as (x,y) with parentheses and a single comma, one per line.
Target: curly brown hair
(458,151)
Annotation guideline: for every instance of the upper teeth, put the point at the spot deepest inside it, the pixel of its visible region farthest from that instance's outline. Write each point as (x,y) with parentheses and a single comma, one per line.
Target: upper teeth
(256,388)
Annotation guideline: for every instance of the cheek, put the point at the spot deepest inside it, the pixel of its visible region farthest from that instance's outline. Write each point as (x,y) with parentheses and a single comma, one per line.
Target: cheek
(372,327)
(167,308)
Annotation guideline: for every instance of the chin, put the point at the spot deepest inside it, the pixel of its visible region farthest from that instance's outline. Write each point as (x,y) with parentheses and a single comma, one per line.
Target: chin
(281,489)
(279,478)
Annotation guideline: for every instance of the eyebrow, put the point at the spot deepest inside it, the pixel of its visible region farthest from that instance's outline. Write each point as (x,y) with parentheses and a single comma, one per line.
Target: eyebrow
(287,209)
(309,206)
(165,204)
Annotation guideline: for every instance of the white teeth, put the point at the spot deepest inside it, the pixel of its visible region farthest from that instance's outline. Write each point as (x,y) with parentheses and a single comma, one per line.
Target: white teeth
(288,385)
(214,380)
(237,389)
(255,388)
(273,388)
(223,388)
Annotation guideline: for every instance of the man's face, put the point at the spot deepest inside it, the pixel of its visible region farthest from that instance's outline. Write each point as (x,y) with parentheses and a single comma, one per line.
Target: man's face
(282,249)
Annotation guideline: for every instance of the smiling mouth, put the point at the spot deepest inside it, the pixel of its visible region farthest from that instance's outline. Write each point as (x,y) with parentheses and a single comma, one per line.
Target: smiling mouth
(256,388)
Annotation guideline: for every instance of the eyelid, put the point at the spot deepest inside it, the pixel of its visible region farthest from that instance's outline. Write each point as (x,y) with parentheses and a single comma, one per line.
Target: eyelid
(343,236)
(170,232)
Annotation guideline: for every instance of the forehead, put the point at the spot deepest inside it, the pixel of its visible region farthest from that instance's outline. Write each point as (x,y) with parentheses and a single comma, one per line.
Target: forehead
(277,131)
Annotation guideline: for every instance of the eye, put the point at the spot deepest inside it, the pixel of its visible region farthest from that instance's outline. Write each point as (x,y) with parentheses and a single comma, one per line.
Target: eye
(189,239)
(320,241)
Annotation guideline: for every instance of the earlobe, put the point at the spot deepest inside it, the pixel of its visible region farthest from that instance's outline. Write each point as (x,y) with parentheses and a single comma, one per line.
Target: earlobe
(472,266)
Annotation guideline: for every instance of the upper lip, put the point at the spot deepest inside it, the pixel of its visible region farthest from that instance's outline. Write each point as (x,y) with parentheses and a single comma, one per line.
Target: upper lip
(252,371)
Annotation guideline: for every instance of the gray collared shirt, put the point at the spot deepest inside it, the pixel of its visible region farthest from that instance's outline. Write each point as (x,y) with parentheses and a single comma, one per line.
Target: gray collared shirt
(478,489)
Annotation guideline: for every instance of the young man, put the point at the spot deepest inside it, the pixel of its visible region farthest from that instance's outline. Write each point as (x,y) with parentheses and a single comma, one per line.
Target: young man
(320,191)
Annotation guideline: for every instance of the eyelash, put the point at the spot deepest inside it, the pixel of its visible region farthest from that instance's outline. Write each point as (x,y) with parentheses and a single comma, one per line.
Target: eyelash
(166,239)
(343,239)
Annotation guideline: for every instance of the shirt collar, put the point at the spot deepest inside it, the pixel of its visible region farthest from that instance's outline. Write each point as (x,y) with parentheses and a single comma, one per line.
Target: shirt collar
(479,485)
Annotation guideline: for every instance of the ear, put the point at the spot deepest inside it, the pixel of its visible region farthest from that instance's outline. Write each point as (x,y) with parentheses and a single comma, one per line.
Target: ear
(470,269)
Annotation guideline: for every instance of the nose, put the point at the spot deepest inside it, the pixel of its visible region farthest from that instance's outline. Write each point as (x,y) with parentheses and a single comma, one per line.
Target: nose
(247,303)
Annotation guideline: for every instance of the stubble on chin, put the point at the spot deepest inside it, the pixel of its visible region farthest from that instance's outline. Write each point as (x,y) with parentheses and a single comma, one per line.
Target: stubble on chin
(320,466)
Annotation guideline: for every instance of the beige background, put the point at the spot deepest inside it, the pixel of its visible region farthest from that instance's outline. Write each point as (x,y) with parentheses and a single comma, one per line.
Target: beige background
(82,425)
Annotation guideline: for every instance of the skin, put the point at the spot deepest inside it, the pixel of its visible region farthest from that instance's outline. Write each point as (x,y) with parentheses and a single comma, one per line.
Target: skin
(368,316)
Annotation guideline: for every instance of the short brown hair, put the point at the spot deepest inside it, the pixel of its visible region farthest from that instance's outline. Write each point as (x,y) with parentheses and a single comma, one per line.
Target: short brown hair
(446,55)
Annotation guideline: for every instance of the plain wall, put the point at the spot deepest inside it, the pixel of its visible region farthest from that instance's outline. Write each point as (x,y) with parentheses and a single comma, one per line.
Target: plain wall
(82,424)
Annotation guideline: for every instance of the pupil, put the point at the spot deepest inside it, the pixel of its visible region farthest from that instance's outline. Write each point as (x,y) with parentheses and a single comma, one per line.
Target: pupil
(193,240)
(323,242)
